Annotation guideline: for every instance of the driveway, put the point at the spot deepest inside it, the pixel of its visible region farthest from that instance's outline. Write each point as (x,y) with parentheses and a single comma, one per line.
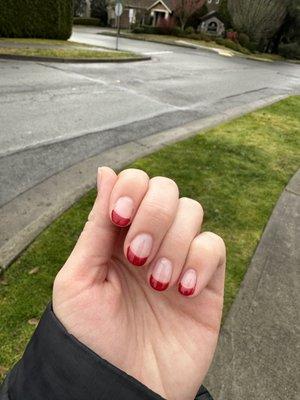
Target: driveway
(55,115)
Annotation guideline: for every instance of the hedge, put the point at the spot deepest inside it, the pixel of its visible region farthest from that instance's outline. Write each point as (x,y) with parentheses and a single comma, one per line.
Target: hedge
(51,19)
(87,21)
(290,50)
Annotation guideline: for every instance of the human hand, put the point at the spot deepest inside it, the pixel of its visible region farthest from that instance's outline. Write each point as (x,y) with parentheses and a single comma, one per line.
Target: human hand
(164,336)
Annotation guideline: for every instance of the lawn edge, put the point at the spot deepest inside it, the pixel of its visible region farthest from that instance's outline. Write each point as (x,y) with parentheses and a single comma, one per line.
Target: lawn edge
(191,45)
(116,157)
(74,60)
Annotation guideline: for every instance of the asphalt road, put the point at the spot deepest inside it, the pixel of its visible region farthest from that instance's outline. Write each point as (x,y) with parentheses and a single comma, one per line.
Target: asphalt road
(54,115)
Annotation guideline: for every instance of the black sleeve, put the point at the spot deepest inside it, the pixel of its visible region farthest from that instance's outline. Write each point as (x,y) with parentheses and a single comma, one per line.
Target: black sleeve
(56,366)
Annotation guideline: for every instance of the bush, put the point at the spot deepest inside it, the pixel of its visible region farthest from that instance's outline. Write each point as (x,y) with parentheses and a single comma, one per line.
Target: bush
(166,26)
(177,31)
(290,50)
(138,29)
(232,45)
(243,39)
(151,30)
(190,30)
(51,19)
(87,21)
(252,46)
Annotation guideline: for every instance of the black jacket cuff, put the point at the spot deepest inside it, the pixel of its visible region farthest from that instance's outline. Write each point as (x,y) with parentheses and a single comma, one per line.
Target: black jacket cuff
(56,366)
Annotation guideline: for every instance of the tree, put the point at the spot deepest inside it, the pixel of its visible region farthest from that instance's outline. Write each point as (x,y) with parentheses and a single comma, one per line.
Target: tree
(289,35)
(51,19)
(223,14)
(259,19)
(184,9)
(98,10)
(79,8)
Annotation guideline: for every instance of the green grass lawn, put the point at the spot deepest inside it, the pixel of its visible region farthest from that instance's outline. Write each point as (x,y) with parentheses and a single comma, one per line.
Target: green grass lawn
(237,171)
(198,42)
(58,49)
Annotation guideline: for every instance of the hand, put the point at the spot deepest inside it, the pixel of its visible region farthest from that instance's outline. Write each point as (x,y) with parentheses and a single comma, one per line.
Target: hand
(145,292)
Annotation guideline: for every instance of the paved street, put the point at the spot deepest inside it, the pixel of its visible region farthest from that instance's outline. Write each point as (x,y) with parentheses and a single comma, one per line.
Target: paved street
(55,115)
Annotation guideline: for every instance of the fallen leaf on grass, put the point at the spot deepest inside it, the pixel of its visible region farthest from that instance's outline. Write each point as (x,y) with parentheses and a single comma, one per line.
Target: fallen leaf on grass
(3,281)
(33,271)
(3,370)
(33,321)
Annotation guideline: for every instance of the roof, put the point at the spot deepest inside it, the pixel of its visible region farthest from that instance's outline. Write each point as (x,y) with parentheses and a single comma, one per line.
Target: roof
(146,4)
(209,15)
(167,3)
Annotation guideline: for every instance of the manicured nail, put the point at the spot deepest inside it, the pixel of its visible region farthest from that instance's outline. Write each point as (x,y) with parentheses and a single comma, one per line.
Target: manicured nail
(161,274)
(122,212)
(139,249)
(188,282)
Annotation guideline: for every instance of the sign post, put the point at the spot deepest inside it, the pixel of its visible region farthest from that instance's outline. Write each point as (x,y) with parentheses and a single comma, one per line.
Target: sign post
(118,13)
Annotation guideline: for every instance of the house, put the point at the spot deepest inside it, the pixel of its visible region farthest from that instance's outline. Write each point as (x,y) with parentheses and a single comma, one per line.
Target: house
(149,12)
(210,24)
(140,12)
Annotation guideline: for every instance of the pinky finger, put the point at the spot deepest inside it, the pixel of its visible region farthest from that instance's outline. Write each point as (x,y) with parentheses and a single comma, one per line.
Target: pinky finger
(205,266)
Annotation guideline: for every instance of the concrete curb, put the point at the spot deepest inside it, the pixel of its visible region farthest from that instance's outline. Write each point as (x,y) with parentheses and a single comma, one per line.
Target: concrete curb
(256,357)
(73,60)
(32,211)
(122,35)
(215,50)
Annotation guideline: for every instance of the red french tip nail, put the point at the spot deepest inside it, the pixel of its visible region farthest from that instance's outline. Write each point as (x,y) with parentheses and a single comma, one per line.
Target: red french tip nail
(118,220)
(135,260)
(185,291)
(160,286)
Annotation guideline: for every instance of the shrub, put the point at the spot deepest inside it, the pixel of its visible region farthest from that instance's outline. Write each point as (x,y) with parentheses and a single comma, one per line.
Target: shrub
(252,46)
(138,29)
(189,30)
(151,30)
(51,19)
(176,31)
(166,26)
(201,36)
(232,45)
(243,39)
(290,50)
(87,21)
(232,35)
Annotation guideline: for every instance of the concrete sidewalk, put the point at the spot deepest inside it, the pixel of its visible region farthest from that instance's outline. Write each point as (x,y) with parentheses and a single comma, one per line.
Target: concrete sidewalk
(257,352)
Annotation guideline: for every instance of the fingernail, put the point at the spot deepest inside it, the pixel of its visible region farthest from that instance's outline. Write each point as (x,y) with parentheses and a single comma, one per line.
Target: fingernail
(187,284)
(122,212)
(161,274)
(139,249)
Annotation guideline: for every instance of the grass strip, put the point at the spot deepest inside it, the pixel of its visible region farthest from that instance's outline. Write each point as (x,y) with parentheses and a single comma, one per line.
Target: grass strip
(237,171)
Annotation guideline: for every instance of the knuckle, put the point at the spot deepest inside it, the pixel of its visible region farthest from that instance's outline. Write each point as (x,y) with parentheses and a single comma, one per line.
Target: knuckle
(133,173)
(166,182)
(194,204)
(159,212)
(213,245)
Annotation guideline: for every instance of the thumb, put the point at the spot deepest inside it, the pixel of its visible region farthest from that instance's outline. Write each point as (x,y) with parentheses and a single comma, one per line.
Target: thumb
(95,245)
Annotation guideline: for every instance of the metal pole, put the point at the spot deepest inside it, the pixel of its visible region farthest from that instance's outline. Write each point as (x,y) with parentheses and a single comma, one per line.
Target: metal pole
(118,32)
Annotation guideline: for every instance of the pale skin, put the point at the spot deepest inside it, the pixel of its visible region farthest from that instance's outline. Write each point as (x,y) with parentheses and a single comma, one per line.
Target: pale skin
(163,338)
